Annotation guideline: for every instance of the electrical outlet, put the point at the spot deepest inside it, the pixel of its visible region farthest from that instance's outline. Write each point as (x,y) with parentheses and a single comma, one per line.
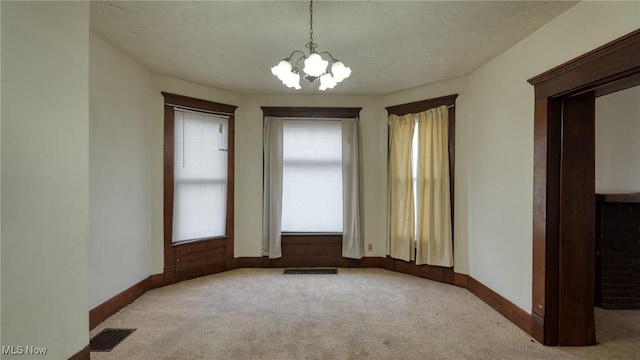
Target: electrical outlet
(370,247)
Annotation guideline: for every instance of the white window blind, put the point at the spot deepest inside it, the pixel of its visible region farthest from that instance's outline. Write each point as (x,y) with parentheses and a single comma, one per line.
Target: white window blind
(200,175)
(312,176)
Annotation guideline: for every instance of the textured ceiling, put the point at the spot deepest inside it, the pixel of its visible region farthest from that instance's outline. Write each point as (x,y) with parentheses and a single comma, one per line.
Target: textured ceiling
(389,45)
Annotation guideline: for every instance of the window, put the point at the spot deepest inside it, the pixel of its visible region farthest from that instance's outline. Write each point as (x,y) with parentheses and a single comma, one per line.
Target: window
(421,163)
(414,175)
(312,182)
(312,176)
(198,184)
(200,175)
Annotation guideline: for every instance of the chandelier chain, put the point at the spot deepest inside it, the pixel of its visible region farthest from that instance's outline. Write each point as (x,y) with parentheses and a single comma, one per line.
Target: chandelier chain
(311,22)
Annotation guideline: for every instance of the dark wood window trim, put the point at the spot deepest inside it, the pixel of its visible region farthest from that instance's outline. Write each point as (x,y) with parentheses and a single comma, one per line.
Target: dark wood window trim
(312,112)
(307,247)
(424,105)
(308,233)
(192,255)
(562,311)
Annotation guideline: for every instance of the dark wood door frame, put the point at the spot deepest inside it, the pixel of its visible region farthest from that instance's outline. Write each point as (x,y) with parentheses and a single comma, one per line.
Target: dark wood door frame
(564,187)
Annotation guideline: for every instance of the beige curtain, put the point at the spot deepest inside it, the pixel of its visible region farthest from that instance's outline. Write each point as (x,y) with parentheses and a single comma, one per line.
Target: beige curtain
(434,243)
(352,201)
(272,188)
(401,213)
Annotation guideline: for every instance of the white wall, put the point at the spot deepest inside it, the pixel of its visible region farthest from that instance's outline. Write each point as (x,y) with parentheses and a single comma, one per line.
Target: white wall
(500,164)
(45,175)
(460,217)
(119,172)
(618,142)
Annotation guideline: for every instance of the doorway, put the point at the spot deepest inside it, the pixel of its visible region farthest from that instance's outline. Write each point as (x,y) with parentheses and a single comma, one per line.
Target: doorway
(618,201)
(564,187)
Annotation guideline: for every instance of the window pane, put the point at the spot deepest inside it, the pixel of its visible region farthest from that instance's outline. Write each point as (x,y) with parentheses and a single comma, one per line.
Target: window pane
(200,176)
(414,175)
(312,176)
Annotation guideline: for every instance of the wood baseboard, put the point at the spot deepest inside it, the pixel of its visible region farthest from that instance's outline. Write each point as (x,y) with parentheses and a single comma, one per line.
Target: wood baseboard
(435,273)
(367,262)
(537,329)
(245,262)
(168,277)
(191,273)
(461,280)
(84,354)
(113,305)
(513,313)
(446,275)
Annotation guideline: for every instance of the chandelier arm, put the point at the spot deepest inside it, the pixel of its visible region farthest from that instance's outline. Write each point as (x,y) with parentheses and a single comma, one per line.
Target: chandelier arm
(297,51)
(296,64)
(328,53)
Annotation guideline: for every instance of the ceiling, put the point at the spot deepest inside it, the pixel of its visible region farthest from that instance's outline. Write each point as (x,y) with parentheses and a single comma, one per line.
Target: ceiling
(389,45)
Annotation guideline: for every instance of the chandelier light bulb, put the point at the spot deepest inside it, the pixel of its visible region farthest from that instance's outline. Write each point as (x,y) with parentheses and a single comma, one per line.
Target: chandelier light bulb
(286,79)
(327,82)
(281,70)
(339,71)
(314,65)
(284,66)
(292,80)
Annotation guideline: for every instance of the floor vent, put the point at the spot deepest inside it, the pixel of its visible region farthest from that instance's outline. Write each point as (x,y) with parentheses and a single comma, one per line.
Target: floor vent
(107,339)
(310,272)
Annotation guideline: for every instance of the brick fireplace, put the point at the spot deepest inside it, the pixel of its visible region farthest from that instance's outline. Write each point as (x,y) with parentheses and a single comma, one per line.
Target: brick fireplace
(618,251)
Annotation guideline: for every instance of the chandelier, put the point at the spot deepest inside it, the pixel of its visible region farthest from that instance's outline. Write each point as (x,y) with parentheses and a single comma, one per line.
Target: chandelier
(315,67)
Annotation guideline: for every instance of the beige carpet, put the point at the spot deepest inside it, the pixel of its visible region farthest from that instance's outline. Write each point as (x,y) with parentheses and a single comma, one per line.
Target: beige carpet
(358,314)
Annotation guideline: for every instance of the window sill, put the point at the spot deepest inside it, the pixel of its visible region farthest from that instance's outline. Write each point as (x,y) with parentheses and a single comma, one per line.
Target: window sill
(191,241)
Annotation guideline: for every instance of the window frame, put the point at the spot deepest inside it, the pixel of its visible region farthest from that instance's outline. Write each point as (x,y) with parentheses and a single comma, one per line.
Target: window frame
(301,113)
(194,252)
